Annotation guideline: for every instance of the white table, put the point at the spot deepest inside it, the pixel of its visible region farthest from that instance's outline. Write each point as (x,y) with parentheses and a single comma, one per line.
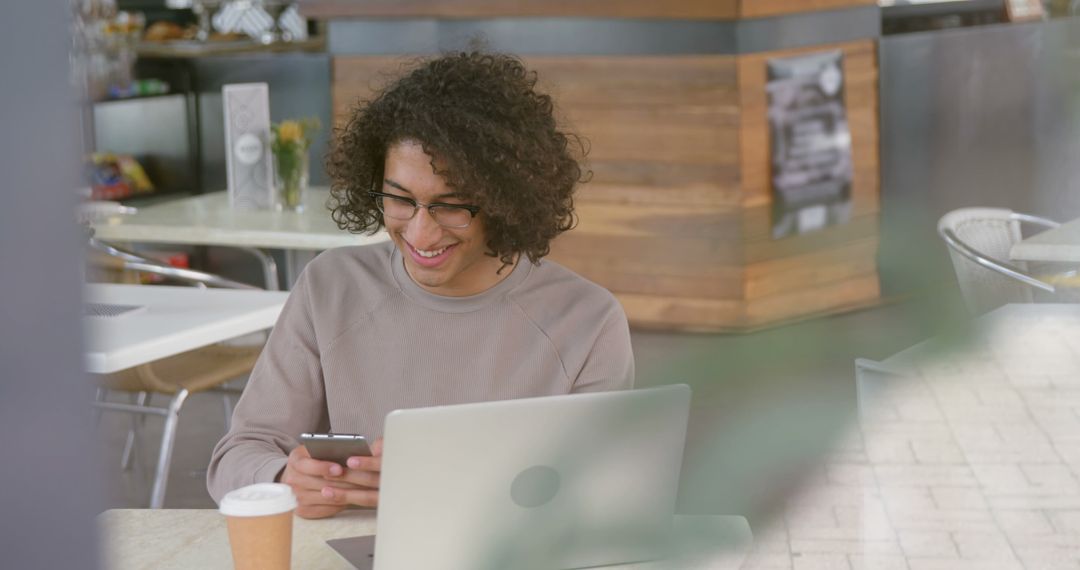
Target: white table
(197,538)
(208,219)
(175,320)
(1060,244)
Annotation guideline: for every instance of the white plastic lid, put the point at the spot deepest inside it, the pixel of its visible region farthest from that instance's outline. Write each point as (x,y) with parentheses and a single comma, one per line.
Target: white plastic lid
(258,500)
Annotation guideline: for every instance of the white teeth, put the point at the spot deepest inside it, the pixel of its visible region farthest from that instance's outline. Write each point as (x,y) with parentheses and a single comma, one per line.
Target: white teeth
(430,253)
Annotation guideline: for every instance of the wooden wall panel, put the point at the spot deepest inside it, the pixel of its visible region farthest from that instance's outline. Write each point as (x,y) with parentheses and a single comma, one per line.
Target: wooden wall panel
(674,220)
(665,122)
(649,121)
(574,250)
(645,136)
(764,8)
(727,315)
(860,96)
(674,313)
(754,283)
(647,81)
(701,195)
(677,219)
(355,78)
(858,228)
(757,223)
(649,182)
(807,301)
(662,253)
(832,268)
(661,284)
(788,274)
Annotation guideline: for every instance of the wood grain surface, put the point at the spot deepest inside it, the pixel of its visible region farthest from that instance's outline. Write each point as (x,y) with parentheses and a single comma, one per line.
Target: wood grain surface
(677,218)
(765,8)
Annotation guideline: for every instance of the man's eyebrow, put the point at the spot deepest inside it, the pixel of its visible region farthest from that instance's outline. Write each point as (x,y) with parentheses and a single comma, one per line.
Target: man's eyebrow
(454,195)
(389,182)
(396,185)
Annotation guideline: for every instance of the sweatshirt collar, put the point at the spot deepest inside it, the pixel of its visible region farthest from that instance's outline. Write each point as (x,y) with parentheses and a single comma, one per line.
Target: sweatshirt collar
(445,304)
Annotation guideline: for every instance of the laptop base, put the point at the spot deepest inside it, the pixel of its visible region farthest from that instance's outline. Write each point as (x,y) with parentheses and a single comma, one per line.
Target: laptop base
(357,550)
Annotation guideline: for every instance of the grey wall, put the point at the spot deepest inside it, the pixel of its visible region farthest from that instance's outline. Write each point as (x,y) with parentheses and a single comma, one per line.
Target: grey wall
(986,116)
(49,480)
(602,36)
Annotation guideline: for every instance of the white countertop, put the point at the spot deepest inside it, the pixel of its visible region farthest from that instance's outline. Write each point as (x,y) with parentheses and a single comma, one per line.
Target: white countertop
(1061,244)
(197,538)
(174,320)
(208,219)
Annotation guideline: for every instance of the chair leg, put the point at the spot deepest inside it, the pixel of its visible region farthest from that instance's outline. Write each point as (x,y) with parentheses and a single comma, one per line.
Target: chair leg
(149,401)
(99,396)
(168,439)
(129,445)
(226,400)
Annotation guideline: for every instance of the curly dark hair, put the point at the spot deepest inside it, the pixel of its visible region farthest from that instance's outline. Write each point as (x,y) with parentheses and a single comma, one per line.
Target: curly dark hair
(496,141)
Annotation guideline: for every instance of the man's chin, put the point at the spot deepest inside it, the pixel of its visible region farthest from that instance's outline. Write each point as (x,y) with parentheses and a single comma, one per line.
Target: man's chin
(426,276)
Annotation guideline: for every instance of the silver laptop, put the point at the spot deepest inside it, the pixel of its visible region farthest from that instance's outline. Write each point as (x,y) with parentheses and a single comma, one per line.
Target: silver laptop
(556,482)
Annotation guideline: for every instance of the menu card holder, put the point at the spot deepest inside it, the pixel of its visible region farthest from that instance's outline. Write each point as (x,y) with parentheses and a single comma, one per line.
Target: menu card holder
(247,142)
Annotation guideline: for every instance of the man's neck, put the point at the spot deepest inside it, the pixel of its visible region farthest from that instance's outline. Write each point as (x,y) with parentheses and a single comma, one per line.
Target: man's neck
(499,271)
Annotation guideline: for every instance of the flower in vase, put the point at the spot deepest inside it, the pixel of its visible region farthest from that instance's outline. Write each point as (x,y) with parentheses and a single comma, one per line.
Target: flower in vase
(289,145)
(290,132)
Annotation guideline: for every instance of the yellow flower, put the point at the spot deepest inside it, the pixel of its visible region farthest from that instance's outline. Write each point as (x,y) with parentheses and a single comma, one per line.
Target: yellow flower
(290,131)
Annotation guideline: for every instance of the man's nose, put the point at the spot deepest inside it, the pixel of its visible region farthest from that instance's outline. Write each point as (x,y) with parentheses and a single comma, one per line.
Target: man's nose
(422,230)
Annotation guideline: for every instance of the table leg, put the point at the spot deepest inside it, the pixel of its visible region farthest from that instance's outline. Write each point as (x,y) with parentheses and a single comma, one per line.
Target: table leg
(270,274)
(295,260)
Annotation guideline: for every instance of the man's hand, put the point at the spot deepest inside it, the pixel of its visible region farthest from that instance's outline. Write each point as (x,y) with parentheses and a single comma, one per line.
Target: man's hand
(324,488)
(359,484)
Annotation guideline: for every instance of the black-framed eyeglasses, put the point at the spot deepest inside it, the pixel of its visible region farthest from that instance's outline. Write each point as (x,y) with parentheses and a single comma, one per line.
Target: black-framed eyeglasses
(446,215)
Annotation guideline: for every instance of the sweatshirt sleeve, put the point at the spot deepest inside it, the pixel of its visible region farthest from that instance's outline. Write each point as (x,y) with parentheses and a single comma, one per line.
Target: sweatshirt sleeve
(284,397)
(609,365)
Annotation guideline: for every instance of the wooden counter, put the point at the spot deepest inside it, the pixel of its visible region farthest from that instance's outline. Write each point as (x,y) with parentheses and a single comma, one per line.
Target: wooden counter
(676,220)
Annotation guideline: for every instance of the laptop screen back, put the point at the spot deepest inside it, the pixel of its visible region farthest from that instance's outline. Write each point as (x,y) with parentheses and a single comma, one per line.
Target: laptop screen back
(555,482)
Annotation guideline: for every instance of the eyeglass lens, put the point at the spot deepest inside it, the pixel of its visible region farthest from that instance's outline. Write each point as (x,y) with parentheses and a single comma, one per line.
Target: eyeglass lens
(404,209)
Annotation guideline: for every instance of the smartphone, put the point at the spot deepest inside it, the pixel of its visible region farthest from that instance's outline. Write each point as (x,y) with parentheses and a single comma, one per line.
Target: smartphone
(336,447)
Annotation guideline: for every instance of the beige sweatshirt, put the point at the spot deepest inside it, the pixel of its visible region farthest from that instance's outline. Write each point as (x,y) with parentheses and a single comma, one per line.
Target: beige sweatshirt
(358,339)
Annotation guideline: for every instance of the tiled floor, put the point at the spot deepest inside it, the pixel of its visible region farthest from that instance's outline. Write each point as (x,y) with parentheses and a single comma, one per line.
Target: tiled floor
(966,460)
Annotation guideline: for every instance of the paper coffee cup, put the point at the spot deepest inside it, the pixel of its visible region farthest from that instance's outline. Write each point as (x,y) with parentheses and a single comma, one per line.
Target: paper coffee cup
(260,521)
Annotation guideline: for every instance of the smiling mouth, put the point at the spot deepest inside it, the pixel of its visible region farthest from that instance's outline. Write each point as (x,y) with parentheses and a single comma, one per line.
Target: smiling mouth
(431,257)
(430,254)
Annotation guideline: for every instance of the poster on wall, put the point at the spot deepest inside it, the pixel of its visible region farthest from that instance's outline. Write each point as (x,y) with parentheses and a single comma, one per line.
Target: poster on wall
(1024,10)
(810,143)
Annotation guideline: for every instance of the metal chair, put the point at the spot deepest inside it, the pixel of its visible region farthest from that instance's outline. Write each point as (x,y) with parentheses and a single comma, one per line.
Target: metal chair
(118,258)
(204,369)
(978,240)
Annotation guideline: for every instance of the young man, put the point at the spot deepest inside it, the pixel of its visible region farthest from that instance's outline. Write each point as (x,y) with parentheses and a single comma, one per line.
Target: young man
(461,161)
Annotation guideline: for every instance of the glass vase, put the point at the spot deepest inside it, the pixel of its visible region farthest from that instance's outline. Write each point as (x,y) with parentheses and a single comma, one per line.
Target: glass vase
(291,177)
